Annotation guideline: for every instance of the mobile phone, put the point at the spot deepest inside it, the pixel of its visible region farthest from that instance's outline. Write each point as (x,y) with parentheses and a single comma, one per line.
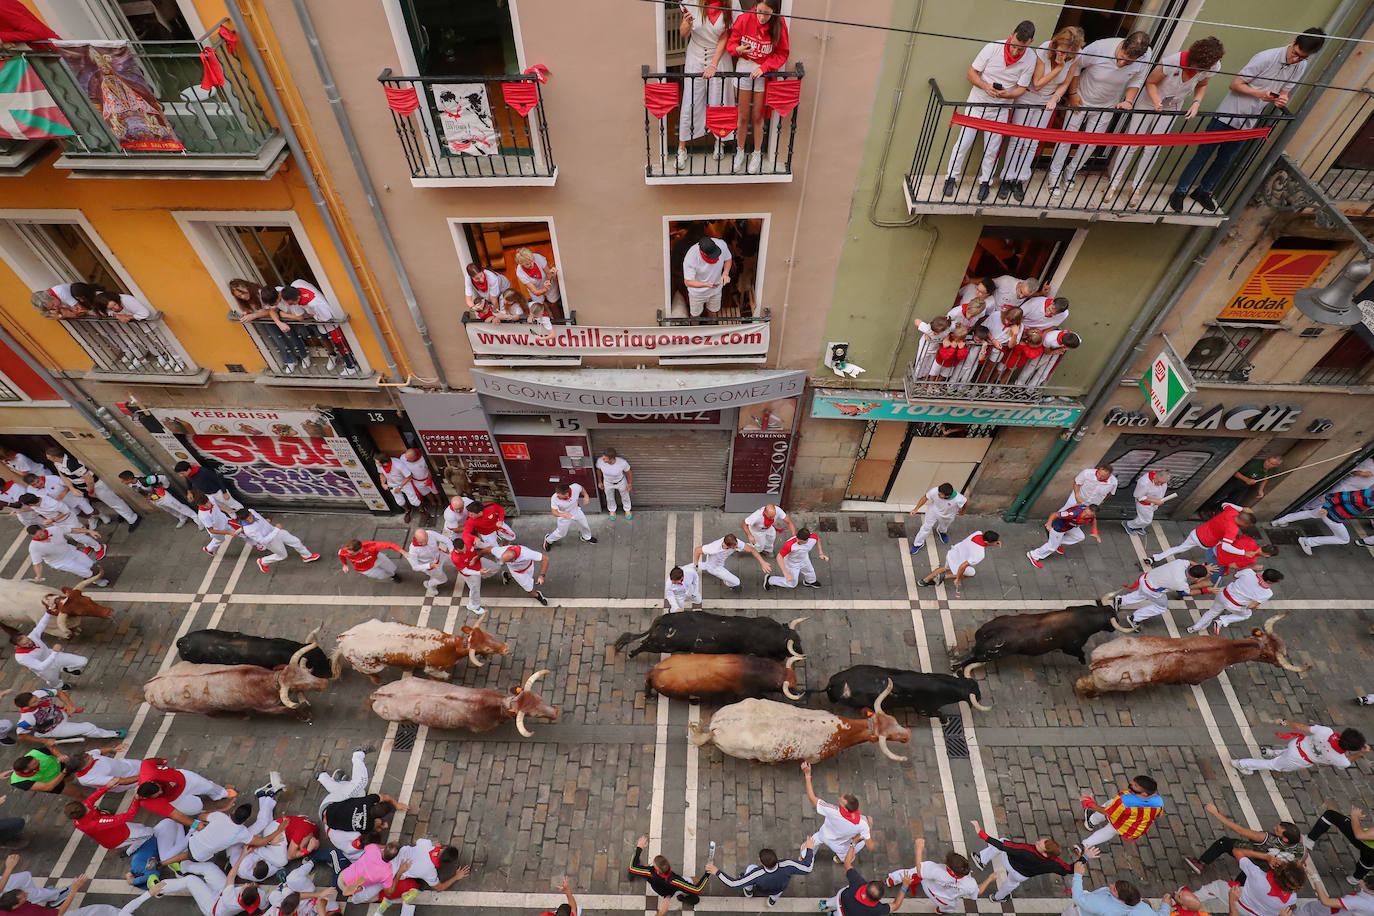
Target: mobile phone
(997,86)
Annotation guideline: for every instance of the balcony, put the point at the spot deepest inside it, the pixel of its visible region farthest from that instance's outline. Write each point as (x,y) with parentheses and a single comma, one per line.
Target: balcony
(682,97)
(976,378)
(138,351)
(310,355)
(1345,156)
(515,343)
(466,131)
(169,124)
(18,156)
(1087,198)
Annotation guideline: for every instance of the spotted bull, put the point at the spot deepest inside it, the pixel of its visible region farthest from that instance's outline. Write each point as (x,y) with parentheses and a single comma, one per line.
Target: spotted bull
(719,678)
(716,634)
(1132,662)
(210,689)
(230,647)
(861,685)
(22,603)
(438,705)
(373,645)
(1066,631)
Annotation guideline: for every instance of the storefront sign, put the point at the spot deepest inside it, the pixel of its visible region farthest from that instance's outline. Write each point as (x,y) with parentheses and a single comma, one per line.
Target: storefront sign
(453,430)
(515,451)
(1166,385)
(759,463)
(685,418)
(1267,294)
(272,456)
(518,340)
(456,441)
(1271,418)
(881,405)
(633,391)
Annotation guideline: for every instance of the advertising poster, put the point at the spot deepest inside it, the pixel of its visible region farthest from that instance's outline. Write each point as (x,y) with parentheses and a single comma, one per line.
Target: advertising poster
(763,444)
(1267,294)
(465,119)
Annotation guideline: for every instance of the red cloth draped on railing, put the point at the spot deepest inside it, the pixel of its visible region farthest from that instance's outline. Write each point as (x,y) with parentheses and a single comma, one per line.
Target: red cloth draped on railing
(1054,135)
(520,96)
(403,100)
(213,74)
(782,96)
(661,98)
(231,38)
(721,120)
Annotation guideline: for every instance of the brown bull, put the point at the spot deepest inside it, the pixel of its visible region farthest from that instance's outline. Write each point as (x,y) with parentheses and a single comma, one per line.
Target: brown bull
(1132,662)
(210,689)
(449,706)
(722,677)
(373,645)
(22,603)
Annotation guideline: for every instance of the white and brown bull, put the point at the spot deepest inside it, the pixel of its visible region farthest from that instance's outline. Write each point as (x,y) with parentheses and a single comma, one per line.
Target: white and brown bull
(438,705)
(722,677)
(211,689)
(766,731)
(373,645)
(22,603)
(1132,662)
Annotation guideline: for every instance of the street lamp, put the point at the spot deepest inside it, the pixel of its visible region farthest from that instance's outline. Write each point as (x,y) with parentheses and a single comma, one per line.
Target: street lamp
(1335,304)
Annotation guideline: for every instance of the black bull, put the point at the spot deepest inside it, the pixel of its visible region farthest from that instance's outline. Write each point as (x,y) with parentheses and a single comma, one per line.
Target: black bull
(229,647)
(716,634)
(860,686)
(1066,631)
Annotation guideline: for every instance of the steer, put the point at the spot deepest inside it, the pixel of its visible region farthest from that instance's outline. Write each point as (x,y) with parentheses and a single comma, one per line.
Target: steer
(926,693)
(374,644)
(437,705)
(230,647)
(1036,634)
(766,731)
(719,678)
(1132,662)
(22,603)
(210,689)
(716,634)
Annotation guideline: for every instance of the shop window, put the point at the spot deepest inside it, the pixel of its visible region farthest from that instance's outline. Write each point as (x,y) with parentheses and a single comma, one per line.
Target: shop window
(497,246)
(1346,363)
(746,238)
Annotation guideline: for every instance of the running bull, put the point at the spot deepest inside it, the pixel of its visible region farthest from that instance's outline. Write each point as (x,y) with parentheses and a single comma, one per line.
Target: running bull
(1066,631)
(22,603)
(210,689)
(230,647)
(374,644)
(716,634)
(722,677)
(439,705)
(861,685)
(766,731)
(1132,662)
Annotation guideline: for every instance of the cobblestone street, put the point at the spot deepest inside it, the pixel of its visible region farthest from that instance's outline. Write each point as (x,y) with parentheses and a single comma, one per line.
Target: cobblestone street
(573,798)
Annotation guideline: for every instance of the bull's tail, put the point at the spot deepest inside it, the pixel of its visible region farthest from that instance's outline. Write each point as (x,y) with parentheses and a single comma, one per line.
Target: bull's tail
(627,638)
(700,737)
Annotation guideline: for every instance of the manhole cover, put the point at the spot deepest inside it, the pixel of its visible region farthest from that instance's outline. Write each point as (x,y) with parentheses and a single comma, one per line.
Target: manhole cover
(827,523)
(955,742)
(405,737)
(858,523)
(896,529)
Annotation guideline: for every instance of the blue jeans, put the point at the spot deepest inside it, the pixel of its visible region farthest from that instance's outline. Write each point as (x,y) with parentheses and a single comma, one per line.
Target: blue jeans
(1210,559)
(1225,152)
(286,343)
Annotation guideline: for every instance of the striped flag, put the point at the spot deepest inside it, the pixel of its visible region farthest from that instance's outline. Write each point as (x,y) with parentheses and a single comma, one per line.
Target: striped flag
(27,110)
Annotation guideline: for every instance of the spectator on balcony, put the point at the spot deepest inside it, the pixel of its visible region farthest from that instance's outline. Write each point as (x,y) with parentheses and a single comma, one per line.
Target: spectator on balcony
(758,39)
(539,278)
(542,324)
(1008,291)
(1044,312)
(1056,61)
(248,297)
(66,300)
(121,306)
(1165,89)
(1029,348)
(1004,333)
(1000,73)
(512,306)
(706,37)
(1111,72)
(932,335)
(1265,80)
(1055,341)
(705,271)
(972,304)
(953,351)
(482,289)
(302,301)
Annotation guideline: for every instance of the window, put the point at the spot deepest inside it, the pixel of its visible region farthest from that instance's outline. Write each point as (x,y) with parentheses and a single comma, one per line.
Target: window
(746,238)
(469,37)
(1359,153)
(1346,363)
(133,20)
(269,255)
(1226,354)
(69,253)
(495,245)
(1023,253)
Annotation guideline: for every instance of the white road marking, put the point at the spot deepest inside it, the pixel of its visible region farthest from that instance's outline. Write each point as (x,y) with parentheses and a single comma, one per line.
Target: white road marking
(18,542)
(661,722)
(689,817)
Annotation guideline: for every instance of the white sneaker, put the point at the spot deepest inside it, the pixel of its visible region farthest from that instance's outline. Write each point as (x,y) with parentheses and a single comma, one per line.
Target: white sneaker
(289,368)
(1306,547)
(181,522)
(755,162)
(305,363)
(479,611)
(1278,523)
(719,152)
(431,592)
(681,162)
(1244,771)
(738,164)
(347,372)
(1055,191)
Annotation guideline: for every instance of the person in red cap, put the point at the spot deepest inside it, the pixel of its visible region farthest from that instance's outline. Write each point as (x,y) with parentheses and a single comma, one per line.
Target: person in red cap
(705,271)
(366,557)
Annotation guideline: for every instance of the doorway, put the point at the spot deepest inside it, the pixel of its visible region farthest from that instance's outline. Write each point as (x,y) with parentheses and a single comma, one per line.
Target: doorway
(898,462)
(1188,459)
(468,38)
(1022,252)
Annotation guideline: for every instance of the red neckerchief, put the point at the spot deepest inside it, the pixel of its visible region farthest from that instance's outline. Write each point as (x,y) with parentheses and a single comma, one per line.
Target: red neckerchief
(306,295)
(42,535)
(414,542)
(1275,891)
(1183,64)
(533,270)
(713,10)
(20,650)
(978,539)
(87,768)
(1009,57)
(1335,745)
(480,281)
(768,522)
(1152,477)
(434,855)
(851,816)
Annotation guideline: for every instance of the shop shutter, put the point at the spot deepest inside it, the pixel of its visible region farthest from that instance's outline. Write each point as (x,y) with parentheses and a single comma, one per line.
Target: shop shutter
(677,469)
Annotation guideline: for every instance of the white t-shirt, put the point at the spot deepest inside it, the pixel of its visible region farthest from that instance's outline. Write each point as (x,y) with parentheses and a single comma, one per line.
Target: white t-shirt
(51,485)
(22,464)
(1101,82)
(1176,85)
(421,865)
(454,519)
(1172,575)
(696,267)
(962,314)
(133,308)
(1038,312)
(573,501)
(437,548)
(757,523)
(416,470)
(716,553)
(1247,587)
(1145,488)
(939,507)
(1004,294)
(1091,491)
(1053,339)
(1268,71)
(218,833)
(796,550)
(991,64)
(524,560)
(313,301)
(213,517)
(966,551)
(613,474)
(103,769)
(496,285)
(943,887)
(1033,96)
(259,530)
(528,280)
(835,829)
(686,590)
(1361,903)
(1255,895)
(63,291)
(1317,747)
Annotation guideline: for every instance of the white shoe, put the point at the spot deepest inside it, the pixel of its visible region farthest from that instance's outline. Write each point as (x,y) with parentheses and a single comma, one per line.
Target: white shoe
(719,152)
(479,611)
(1306,547)
(431,592)
(1278,523)
(1055,190)
(289,368)
(347,372)
(1244,771)
(181,522)
(329,366)
(305,363)
(755,162)
(681,162)
(738,164)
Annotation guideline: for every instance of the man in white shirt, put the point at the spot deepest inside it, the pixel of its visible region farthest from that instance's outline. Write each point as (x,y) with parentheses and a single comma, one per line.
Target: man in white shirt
(100,767)
(705,271)
(566,505)
(1359,902)
(86,483)
(682,588)
(794,561)
(416,469)
(1239,599)
(1308,746)
(1150,591)
(1091,487)
(842,826)
(57,518)
(429,554)
(1001,72)
(943,882)
(761,527)
(1148,495)
(1264,890)
(304,298)
(962,559)
(53,548)
(942,504)
(20,463)
(456,515)
(57,487)
(1009,292)
(613,475)
(520,567)
(261,533)
(1111,72)
(1264,80)
(213,521)
(1044,312)
(47,664)
(394,476)
(710,558)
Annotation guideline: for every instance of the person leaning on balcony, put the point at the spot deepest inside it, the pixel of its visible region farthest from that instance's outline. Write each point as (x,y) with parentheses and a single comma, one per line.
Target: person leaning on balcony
(304,300)
(1177,75)
(122,306)
(512,306)
(1111,72)
(1009,292)
(758,39)
(706,28)
(1001,72)
(1056,61)
(482,289)
(539,278)
(705,271)
(1265,80)
(66,300)
(972,303)
(248,297)
(1044,312)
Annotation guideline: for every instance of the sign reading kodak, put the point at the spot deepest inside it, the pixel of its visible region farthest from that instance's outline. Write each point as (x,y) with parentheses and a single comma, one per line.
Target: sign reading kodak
(1267,294)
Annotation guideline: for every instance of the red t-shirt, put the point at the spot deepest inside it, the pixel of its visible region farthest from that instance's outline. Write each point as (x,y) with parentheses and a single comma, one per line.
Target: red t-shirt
(1218,528)
(1239,561)
(109,830)
(171,781)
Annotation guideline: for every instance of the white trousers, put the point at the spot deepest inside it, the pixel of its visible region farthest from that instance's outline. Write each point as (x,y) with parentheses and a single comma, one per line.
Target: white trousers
(353,786)
(1011,878)
(66,529)
(342,840)
(438,575)
(382,570)
(1016,165)
(279,543)
(69,728)
(525,577)
(991,143)
(1144,514)
(931,522)
(801,570)
(1188,544)
(227,504)
(1144,123)
(473,580)
(1286,761)
(171,838)
(1088,122)
(1104,833)
(764,538)
(74,562)
(406,494)
(189,801)
(562,524)
(623,490)
(173,506)
(50,672)
(720,572)
(112,499)
(699,93)
(1339,533)
(1223,612)
(1154,603)
(1058,539)
(204,881)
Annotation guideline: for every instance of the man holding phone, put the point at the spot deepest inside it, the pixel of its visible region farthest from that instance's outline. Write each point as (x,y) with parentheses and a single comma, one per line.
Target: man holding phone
(1265,80)
(1001,72)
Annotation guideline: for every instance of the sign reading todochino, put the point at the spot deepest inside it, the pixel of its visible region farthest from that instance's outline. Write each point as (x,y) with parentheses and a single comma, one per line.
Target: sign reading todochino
(512,339)
(1267,294)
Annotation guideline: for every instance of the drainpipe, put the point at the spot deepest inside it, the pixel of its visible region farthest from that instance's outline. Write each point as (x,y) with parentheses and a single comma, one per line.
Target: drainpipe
(331,91)
(312,185)
(1174,283)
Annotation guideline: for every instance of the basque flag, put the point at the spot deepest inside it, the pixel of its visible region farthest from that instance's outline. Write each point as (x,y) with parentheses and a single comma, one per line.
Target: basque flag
(27,110)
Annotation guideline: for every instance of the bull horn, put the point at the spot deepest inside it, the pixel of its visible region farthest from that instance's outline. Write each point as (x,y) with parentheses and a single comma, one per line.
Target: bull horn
(285,694)
(793,624)
(969,669)
(85,582)
(973,701)
(529,681)
(1116,625)
(298,656)
(878,703)
(336,662)
(882,746)
(472,656)
(786,687)
(312,640)
(1269,624)
(520,726)
(1286,665)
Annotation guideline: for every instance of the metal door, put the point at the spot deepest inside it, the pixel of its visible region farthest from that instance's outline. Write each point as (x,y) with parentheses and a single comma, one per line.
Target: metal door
(680,469)
(536,465)
(1188,459)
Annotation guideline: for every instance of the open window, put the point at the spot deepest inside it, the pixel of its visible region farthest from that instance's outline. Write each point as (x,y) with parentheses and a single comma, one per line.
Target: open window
(746,237)
(123,20)
(1023,252)
(497,245)
(466,37)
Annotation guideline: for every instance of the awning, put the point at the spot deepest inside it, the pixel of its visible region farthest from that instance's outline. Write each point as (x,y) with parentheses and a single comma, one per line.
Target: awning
(639,390)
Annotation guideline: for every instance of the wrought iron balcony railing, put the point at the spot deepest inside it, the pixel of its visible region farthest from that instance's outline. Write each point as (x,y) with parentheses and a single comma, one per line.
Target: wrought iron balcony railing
(978,377)
(145,348)
(308,349)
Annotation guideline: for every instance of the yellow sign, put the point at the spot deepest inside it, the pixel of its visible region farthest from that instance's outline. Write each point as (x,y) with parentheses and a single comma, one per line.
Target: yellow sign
(1267,294)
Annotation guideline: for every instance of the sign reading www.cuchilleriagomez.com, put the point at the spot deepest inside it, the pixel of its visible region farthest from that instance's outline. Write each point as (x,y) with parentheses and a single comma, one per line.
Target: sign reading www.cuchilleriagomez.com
(519,339)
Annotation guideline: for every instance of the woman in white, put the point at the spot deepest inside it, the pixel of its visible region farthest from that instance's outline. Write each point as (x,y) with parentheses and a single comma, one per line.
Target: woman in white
(536,275)
(1165,88)
(541,323)
(705,27)
(1056,61)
